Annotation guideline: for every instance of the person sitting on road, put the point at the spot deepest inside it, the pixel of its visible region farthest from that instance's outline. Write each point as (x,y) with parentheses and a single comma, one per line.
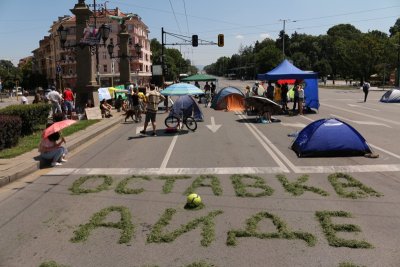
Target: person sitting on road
(51,150)
(105,109)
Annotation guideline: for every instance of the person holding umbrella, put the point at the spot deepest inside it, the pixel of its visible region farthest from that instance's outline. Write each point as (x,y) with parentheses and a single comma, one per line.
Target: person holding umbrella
(52,150)
(50,146)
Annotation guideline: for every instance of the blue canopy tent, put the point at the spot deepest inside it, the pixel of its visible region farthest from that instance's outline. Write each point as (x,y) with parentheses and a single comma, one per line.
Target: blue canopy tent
(287,70)
(330,138)
(189,106)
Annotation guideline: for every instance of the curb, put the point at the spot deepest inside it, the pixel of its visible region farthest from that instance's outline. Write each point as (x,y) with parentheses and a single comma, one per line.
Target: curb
(31,165)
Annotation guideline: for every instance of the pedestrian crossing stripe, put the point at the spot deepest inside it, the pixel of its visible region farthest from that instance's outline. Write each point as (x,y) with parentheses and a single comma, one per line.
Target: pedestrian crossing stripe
(225,170)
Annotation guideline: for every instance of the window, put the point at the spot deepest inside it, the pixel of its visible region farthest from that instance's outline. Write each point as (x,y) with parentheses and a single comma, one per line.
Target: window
(105,68)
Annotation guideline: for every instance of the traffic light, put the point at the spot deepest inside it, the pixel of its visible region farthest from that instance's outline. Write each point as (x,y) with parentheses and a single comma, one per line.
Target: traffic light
(195,40)
(220,40)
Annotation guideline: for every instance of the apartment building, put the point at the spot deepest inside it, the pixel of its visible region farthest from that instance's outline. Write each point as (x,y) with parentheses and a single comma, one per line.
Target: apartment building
(59,65)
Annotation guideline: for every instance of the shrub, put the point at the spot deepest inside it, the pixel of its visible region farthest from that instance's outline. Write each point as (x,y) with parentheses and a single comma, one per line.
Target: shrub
(31,115)
(10,130)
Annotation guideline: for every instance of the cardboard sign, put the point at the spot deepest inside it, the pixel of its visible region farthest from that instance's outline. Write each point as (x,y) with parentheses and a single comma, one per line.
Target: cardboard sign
(93,113)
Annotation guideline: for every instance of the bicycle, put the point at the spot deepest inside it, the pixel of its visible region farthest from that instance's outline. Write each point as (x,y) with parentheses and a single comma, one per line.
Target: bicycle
(174,121)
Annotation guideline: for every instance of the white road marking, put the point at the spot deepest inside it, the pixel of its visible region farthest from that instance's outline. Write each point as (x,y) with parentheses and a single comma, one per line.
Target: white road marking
(266,143)
(362,122)
(384,150)
(307,118)
(297,125)
(164,171)
(358,106)
(350,168)
(169,152)
(138,129)
(276,150)
(222,170)
(213,127)
(363,114)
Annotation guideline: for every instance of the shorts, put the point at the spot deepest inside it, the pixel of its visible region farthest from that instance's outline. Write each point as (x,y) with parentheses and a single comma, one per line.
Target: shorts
(150,116)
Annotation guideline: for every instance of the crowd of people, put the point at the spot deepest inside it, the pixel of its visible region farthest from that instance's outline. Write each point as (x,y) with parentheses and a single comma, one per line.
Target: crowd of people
(279,93)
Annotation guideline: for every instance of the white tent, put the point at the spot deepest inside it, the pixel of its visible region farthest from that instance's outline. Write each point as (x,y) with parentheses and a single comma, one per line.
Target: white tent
(391,96)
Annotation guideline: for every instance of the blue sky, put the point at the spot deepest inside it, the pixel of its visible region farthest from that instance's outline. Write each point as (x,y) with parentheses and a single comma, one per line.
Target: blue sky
(25,22)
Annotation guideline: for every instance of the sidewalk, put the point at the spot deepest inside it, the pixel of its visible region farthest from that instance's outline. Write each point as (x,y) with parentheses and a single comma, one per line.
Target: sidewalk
(18,167)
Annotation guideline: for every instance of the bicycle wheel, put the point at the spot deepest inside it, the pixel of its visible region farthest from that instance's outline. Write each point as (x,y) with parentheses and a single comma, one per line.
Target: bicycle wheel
(191,124)
(171,121)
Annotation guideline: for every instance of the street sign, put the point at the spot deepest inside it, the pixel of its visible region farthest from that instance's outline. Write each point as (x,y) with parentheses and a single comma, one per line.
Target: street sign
(58,69)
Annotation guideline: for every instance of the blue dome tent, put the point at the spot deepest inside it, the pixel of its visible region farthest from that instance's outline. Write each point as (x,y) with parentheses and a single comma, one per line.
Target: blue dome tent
(189,106)
(330,138)
(287,70)
(229,98)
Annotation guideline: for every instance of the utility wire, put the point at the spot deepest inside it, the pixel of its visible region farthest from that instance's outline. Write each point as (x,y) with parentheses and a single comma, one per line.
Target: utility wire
(176,20)
(187,22)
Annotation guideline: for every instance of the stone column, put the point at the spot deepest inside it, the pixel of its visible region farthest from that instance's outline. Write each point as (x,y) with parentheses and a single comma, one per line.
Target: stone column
(124,63)
(86,85)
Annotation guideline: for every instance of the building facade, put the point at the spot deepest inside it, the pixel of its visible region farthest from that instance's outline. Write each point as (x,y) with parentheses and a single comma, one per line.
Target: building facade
(59,65)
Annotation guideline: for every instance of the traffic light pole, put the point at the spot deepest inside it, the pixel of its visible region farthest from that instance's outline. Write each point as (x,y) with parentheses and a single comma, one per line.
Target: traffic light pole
(162,56)
(192,40)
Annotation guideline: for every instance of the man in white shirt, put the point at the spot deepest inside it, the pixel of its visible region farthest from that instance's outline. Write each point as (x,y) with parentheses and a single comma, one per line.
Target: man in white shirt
(55,100)
(24,99)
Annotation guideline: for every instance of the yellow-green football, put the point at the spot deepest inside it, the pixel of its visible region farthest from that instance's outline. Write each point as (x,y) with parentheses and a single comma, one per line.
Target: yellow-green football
(193,200)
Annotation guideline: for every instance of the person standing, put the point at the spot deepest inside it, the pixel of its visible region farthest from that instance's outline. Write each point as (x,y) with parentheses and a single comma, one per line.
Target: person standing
(278,93)
(129,96)
(365,88)
(284,97)
(68,101)
(270,91)
(296,95)
(55,99)
(153,99)
(213,87)
(207,88)
(301,99)
(136,105)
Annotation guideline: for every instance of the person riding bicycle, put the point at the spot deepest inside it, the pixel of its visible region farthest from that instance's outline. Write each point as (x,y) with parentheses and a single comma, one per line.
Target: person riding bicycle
(153,99)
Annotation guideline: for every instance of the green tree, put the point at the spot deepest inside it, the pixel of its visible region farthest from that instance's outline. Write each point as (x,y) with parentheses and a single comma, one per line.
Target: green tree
(395,28)
(9,74)
(174,62)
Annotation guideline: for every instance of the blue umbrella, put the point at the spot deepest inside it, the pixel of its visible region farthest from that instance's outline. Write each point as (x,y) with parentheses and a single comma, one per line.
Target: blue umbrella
(177,89)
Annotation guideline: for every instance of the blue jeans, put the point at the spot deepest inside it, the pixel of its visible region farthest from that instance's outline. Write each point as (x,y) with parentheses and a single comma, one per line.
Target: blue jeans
(55,155)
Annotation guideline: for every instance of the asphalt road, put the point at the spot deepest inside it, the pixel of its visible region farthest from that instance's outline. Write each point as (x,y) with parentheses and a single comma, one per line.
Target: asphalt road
(39,213)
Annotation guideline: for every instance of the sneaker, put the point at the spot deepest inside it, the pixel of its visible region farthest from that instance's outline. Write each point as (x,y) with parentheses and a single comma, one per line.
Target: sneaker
(53,164)
(64,160)
(142,132)
(154,134)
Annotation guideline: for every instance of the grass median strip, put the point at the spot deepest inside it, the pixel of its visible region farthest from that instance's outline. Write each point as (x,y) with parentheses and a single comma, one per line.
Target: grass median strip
(30,142)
